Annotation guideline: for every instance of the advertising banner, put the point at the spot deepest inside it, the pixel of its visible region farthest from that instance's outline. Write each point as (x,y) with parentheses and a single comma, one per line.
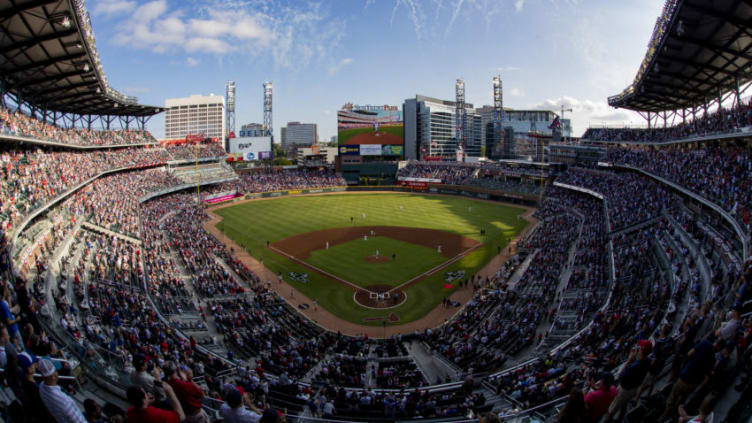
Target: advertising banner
(414,185)
(315,149)
(349,150)
(370,149)
(250,148)
(265,155)
(391,150)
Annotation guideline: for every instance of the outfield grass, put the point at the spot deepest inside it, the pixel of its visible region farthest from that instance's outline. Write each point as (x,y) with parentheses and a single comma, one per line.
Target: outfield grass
(255,222)
(347,260)
(346,134)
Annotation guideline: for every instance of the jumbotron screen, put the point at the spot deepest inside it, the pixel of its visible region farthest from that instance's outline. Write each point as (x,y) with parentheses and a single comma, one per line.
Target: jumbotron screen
(366,129)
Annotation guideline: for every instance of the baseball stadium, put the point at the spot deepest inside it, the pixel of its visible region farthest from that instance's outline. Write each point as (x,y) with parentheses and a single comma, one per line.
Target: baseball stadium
(593,279)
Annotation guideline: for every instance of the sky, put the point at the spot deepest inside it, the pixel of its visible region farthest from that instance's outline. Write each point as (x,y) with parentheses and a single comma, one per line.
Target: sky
(321,55)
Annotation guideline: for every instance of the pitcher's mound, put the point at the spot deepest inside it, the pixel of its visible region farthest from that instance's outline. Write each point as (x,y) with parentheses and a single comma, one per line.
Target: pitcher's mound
(376,259)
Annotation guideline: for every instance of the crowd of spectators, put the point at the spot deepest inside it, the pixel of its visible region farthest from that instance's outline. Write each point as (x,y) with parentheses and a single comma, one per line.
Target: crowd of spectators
(189,151)
(631,198)
(720,174)
(187,269)
(29,178)
(503,184)
(718,122)
(19,124)
(282,179)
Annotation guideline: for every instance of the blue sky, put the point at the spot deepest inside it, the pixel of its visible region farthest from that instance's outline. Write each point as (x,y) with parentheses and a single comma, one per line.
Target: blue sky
(321,55)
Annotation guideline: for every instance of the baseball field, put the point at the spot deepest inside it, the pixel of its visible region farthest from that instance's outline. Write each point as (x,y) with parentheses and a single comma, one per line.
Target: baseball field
(374,257)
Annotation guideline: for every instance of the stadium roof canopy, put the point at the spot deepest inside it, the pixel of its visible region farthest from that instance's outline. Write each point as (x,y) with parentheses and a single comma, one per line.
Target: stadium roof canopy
(48,60)
(699,50)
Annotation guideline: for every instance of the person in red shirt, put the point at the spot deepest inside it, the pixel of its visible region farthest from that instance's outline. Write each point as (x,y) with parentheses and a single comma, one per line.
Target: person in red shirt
(599,399)
(187,392)
(142,411)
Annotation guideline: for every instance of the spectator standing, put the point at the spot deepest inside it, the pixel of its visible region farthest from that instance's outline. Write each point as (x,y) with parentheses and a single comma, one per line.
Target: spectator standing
(631,377)
(7,314)
(142,411)
(239,408)
(598,400)
(696,369)
(188,393)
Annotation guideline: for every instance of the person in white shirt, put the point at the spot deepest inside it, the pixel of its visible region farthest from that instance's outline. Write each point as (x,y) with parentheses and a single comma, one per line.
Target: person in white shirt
(58,403)
(239,408)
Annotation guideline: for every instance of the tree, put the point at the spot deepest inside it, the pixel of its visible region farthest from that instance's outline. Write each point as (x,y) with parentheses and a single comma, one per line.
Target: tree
(278,151)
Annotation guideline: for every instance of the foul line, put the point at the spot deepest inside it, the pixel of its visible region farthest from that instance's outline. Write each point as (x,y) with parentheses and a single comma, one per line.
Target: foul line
(323,272)
(437,268)
(352,285)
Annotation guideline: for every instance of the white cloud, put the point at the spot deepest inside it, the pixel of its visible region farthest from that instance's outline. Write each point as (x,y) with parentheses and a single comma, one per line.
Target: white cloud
(586,113)
(341,64)
(290,35)
(112,7)
(414,14)
(516,92)
(518,5)
(190,61)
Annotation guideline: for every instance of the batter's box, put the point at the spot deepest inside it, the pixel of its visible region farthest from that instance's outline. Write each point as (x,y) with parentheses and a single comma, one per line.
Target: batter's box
(373,295)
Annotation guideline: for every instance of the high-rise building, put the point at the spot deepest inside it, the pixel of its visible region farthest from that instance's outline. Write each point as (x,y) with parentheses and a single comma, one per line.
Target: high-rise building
(430,128)
(194,115)
(252,130)
(297,134)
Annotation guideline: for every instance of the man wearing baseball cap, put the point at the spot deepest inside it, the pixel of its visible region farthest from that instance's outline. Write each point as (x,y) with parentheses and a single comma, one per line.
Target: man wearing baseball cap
(58,403)
(631,377)
(34,407)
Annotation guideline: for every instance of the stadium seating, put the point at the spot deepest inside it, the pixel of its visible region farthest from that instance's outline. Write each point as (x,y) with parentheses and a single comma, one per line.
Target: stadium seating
(117,279)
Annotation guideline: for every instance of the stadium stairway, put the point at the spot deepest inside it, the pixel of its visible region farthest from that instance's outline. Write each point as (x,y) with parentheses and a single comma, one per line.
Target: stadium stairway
(435,371)
(517,276)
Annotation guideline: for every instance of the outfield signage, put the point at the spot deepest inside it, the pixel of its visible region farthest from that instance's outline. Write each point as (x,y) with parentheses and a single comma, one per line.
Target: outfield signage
(349,150)
(414,185)
(370,150)
(391,150)
(425,180)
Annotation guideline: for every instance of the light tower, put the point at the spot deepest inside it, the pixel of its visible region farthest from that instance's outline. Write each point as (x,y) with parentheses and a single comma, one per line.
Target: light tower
(268,128)
(460,118)
(498,114)
(230,110)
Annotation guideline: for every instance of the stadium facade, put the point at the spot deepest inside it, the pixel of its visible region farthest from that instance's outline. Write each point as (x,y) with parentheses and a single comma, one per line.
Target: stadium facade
(194,115)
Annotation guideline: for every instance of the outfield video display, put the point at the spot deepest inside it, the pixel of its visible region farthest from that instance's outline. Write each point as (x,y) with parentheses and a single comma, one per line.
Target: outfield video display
(370,125)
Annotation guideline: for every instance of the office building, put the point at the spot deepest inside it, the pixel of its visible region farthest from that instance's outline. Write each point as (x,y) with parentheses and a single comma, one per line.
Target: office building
(297,134)
(251,130)
(430,129)
(195,115)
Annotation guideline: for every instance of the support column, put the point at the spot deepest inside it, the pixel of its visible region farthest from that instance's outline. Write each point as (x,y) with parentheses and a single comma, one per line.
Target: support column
(648,120)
